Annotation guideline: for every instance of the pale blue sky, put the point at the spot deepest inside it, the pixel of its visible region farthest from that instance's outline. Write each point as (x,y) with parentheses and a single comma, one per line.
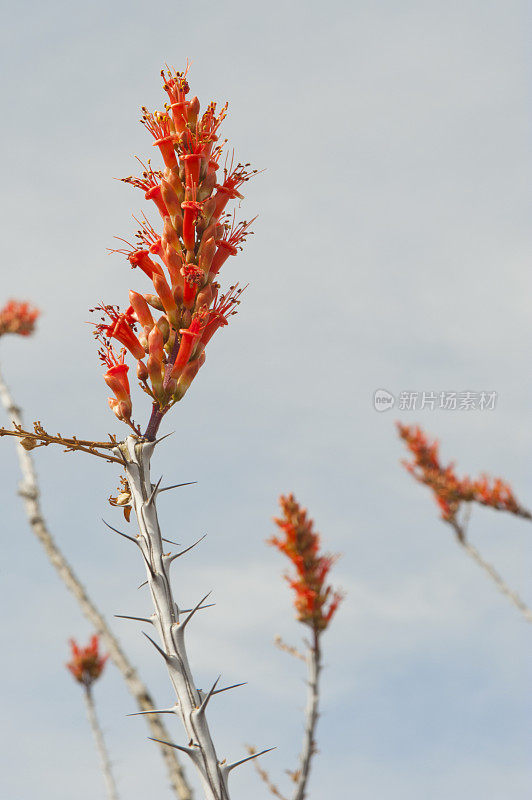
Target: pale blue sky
(392,251)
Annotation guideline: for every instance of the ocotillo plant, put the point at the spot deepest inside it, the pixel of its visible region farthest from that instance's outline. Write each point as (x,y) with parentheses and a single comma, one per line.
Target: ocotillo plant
(316,603)
(183,264)
(454,494)
(87,666)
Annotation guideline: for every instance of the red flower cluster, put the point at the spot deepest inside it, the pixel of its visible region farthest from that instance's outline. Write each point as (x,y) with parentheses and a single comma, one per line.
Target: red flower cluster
(449,490)
(167,328)
(87,664)
(315,602)
(18,318)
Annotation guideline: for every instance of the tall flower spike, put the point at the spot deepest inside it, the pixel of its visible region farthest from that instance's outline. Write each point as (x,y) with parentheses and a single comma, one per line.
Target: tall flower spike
(183,259)
(17,317)
(315,601)
(448,489)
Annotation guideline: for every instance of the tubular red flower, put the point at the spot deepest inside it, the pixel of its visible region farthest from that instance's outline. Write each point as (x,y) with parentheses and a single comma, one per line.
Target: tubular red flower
(231,242)
(191,209)
(189,337)
(194,277)
(116,380)
(223,307)
(176,87)
(150,183)
(120,329)
(234,177)
(162,130)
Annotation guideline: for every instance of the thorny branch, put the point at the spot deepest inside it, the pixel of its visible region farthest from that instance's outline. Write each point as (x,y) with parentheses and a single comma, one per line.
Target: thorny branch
(29,491)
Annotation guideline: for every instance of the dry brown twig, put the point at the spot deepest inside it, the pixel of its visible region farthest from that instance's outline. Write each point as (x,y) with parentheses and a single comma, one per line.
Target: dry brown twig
(264,775)
(288,648)
(41,438)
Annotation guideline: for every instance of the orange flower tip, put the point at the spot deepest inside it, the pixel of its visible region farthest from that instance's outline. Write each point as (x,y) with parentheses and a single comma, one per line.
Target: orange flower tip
(87,663)
(18,318)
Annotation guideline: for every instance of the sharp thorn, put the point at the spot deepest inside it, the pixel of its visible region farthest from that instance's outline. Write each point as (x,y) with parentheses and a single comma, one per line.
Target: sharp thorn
(226,688)
(142,584)
(153,711)
(154,643)
(207,697)
(196,608)
(162,440)
(229,767)
(131,539)
(138,619)
(188,750)
(187,610)
(177,544)
(182,552)
(176,486)
(155,489)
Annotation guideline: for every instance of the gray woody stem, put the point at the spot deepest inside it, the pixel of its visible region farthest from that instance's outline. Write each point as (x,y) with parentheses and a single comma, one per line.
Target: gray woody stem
(460,531)
(30,492)
(100,744)
(311,718)
(191,704)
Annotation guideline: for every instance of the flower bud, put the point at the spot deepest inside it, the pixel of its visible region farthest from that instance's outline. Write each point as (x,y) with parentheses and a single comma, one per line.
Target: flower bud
(170,236)
(207,185)
(207,209)
(167,298)
(164,327)
(193,108)
(171,199)
(154,301)
(207,254)
(142,312)
(187,376)
(172,178)
(142,372)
